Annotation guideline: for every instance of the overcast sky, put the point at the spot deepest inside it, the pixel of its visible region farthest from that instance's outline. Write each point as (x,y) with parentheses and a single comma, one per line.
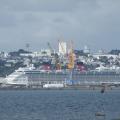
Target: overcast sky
(95,23)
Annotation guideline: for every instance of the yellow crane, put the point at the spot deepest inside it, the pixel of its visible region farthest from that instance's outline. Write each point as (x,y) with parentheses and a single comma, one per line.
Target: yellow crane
(71,57)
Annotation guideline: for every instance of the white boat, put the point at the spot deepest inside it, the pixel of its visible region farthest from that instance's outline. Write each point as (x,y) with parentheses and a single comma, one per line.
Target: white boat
(53,86)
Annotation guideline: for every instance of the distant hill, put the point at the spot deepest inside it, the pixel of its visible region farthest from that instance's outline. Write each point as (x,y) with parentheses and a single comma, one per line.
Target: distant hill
(17,53)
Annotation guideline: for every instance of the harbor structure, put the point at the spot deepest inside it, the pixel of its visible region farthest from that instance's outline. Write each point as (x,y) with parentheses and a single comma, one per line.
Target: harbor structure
(62,47)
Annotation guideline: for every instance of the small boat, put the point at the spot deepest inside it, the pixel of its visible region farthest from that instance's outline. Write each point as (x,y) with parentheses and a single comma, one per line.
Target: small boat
(100,114)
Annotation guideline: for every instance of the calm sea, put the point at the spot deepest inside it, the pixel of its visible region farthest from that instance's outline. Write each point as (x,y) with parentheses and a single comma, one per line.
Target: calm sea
(59,105)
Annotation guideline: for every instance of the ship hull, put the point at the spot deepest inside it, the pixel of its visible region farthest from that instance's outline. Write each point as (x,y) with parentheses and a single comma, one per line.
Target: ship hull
(83,78)
(38,78)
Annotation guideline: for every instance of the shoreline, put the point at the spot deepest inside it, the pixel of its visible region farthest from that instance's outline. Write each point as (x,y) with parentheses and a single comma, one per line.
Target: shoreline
(91,88)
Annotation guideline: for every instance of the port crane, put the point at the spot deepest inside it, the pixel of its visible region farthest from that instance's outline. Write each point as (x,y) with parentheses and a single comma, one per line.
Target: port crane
(51,49)
(60,42)
(63,55)
(70,65)
(56,57)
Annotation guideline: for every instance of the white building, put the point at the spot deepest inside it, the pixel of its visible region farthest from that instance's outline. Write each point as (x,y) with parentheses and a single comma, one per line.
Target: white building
(42,52)
(4,54)
(98,55)
(86,49)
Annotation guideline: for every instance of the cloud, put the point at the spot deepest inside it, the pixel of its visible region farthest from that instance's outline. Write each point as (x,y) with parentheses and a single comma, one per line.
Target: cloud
(39,5)
(95,23)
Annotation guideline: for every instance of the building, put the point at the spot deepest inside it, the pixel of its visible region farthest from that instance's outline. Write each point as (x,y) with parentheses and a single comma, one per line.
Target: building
(86,49)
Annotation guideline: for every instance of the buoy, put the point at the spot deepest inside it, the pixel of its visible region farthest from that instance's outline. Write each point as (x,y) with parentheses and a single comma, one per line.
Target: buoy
(103,90)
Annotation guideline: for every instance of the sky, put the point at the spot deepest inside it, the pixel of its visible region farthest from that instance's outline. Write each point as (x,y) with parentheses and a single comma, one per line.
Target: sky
(95,23)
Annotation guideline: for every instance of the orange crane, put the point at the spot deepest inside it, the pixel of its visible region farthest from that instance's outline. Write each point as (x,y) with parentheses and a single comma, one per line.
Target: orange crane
(70,65)
(71,57)
(57,62)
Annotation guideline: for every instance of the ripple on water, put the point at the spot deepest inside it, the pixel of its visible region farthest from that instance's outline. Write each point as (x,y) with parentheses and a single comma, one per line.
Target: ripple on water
(58,105)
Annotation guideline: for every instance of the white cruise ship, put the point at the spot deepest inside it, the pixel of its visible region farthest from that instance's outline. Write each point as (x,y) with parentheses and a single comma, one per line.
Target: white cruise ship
(29,76)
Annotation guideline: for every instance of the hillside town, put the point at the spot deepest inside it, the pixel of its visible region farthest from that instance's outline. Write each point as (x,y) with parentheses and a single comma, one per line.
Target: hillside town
(50,59)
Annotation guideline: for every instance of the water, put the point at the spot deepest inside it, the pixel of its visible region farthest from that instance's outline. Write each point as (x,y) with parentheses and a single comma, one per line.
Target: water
(58,105)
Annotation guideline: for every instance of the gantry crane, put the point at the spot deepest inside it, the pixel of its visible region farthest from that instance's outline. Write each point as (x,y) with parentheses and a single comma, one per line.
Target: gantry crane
(56,57)
(63,50)
(71,57)
(51,49)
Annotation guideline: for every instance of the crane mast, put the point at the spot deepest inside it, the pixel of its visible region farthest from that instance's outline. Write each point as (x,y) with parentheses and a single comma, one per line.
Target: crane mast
(63,50)
(51,50)
(71,57)
(56,57)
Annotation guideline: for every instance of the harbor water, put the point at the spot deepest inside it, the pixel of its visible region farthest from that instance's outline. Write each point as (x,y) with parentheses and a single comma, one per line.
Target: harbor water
(59,105)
